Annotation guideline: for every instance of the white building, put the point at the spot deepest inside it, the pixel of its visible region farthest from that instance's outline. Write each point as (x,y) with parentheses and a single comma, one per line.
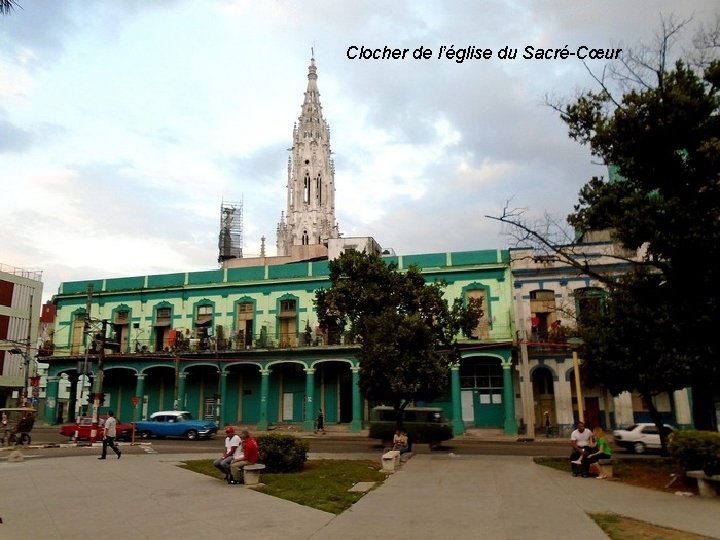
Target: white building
(548,297)
(20,298)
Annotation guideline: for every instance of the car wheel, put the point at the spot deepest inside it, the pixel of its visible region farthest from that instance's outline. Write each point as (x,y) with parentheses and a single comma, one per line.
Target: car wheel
(145,434)
(191,435)
(639,448)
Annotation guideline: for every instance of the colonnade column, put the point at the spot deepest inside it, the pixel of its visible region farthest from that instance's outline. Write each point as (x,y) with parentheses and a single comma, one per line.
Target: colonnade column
(309,420)
(356,424)
(140,393)
(51,397)
(457,421)
(182,376)
(264,391)
(221,397)
(73,377)
(510,425)
(683,415)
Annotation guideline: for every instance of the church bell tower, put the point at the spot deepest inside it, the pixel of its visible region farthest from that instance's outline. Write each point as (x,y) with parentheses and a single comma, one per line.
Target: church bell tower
(310,216)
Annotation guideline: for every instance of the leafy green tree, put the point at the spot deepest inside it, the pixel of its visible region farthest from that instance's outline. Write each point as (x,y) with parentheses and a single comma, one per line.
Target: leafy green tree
(406,329)
(626,342)
(664,139)
(656,124)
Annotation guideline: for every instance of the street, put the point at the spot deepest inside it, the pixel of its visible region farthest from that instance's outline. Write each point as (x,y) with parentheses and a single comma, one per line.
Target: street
(335,443)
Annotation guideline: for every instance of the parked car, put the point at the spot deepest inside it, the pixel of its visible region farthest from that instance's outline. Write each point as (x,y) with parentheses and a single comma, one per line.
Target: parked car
(84,426)
(639,437)
(423,424)
(175,424)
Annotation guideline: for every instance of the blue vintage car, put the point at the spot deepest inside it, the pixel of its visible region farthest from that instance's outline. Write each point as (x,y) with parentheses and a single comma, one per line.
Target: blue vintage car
(175,424)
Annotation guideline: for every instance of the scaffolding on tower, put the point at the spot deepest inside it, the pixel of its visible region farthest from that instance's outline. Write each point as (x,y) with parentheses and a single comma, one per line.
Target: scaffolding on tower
(231,231)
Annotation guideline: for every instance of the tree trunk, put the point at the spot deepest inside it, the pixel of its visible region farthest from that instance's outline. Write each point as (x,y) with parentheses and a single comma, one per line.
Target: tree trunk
(656,417)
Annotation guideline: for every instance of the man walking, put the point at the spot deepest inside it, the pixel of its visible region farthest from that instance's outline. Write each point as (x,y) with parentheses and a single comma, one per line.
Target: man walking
(109,436)
(232,451)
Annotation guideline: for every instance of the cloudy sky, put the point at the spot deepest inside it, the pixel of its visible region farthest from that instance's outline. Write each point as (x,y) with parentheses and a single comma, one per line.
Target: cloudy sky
(124,124)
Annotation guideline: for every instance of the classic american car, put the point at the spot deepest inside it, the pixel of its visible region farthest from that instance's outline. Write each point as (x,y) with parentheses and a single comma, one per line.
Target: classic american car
(83,426)
(175,424)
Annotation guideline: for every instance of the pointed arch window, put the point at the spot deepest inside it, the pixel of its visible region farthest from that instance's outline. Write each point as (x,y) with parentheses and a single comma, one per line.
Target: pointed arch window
(318,188)
(306,188)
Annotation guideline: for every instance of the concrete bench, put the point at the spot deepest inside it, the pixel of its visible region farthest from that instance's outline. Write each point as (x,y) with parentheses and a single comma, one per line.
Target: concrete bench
(705,483)
(390,460)
(251,474)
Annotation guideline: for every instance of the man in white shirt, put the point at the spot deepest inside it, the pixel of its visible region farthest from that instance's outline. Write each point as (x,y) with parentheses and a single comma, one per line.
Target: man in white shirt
(233,450)
(109,436)
(580,439)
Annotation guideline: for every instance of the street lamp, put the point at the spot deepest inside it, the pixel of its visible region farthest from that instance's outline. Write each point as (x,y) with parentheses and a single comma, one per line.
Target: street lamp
(23,395)
(575,343)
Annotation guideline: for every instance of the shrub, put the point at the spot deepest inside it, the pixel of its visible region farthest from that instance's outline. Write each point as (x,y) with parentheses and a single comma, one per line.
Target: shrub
(696,450)
(281,453)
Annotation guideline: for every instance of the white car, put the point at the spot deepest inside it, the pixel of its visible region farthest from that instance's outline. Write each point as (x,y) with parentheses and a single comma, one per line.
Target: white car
(639,437)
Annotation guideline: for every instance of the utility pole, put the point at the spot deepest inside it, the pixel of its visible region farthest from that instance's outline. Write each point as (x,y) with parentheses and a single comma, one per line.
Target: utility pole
(98,382)
(88,306)
(27,354)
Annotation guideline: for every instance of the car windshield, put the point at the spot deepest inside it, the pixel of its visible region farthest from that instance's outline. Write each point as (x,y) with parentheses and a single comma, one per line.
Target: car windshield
(183,417)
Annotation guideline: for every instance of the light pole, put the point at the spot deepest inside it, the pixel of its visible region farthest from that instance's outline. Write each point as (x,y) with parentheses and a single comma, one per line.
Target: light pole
(575,343)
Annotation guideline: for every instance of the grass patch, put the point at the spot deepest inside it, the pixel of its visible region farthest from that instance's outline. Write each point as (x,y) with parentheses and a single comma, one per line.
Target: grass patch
(624,528)
(322,484)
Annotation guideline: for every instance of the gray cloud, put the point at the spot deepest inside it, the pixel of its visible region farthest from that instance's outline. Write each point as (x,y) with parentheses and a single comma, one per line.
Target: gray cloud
(13,138)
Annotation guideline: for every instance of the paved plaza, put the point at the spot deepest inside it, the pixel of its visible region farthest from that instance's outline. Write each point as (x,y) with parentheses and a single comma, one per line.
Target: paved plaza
(439,495)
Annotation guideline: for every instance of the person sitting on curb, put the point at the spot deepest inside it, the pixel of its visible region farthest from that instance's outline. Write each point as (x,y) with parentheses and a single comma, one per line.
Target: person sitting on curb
(601,450)
(249,456)
(580,440)
(232,451)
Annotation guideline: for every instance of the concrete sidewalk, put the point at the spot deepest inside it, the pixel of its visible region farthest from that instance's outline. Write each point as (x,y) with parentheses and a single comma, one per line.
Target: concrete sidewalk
(433,495)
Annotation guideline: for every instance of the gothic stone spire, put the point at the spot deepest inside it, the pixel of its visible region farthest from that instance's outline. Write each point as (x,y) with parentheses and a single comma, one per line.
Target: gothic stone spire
(310,215)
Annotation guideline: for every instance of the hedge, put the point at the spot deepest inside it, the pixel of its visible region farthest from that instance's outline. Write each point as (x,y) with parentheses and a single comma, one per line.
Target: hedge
(281,452)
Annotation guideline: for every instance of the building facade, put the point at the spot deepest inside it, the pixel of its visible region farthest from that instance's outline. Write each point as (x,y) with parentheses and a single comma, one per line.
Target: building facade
(549,295)
(242,345)
(20,298)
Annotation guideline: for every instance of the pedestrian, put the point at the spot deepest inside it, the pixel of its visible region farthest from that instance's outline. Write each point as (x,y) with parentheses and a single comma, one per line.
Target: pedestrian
(547,424)
(232,451)
(320,422)
(249,456)
(581,442)
(109,436)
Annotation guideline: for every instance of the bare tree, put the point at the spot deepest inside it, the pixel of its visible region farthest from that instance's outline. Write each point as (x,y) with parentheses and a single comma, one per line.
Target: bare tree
(6,6)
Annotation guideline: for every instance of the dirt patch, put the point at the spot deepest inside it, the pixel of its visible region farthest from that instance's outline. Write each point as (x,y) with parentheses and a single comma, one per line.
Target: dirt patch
(623,528)
(653,473)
